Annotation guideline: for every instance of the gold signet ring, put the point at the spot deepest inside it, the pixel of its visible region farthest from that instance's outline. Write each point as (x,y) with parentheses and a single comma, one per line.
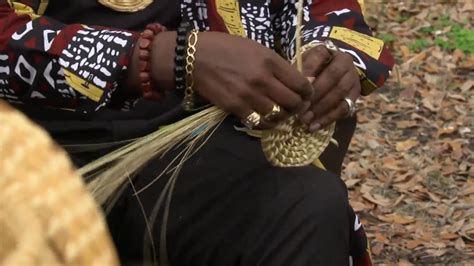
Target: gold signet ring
(274,113)
(252,121)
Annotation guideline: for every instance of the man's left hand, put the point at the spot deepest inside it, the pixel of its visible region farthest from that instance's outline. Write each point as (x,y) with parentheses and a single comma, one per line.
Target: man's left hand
(334,78)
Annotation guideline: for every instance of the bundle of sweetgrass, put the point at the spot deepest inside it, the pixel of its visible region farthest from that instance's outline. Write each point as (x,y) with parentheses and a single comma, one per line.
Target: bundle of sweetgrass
(110,172)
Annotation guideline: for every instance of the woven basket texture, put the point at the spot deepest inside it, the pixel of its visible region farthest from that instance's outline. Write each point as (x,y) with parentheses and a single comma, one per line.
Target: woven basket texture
(47,216)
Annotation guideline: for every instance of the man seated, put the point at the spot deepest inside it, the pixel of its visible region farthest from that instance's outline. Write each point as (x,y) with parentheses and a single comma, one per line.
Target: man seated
(78,68)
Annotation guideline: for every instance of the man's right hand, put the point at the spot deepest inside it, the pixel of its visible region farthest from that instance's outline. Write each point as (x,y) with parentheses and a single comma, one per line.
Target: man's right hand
(241,76)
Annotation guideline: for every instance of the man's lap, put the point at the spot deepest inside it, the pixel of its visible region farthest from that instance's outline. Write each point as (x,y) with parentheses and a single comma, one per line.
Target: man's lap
(231,207)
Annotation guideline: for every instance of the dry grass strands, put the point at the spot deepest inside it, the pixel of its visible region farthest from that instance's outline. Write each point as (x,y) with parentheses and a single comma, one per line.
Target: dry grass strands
(112,171)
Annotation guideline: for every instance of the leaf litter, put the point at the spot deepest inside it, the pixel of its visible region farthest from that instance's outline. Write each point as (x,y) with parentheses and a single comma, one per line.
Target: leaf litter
(410,170)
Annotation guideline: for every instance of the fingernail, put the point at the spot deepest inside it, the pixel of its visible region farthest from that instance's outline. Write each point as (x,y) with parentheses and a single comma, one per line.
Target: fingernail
(306,117)
(314,127)
(311,79)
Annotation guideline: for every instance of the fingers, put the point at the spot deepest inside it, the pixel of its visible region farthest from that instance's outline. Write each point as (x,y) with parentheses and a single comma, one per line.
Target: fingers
(341,111)
(331,76)
(264,106)
(292,79)
(315,60)
(330,100)
(283,96)
(258,102)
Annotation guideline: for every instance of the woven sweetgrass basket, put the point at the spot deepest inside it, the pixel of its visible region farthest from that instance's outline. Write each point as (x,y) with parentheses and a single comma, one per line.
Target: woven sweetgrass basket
(47,217)
(290,144)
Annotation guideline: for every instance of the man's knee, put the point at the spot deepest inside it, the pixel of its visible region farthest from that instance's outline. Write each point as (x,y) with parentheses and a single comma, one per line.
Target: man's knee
(322,190)
(307,215)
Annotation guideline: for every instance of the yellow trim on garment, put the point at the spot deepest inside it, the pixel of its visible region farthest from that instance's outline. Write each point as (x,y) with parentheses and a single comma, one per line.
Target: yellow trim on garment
(367,85)
(229,10)
(79,84)
(42,7)
(367,44)
(23,9)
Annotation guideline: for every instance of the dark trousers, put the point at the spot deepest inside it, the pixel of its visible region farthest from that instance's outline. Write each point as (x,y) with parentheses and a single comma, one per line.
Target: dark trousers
(230,206)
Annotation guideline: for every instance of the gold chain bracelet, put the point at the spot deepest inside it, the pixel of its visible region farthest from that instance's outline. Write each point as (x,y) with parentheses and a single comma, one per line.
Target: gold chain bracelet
(188,103)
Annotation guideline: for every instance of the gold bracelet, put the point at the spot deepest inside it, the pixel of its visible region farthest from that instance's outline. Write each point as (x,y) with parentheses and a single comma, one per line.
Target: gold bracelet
(188,103)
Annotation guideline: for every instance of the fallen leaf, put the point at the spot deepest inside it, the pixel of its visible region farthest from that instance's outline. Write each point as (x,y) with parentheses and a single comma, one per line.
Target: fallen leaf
(448,236)
(411,244)
(436,252)
(446,130)
(377,249)
(456,227)
(398,219)
(459,244)
(381,201)
(405,51)
(381,238)
(408,93)
(407,145)
(456,97)
(468,84)
(359,206)
(433,197)
(352,182)
(403,262)
(406,124)
(391,163)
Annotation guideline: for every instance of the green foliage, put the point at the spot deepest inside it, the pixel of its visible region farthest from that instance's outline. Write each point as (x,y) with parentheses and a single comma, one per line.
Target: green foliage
(402,18)
(419,45)
(459,36)
(386,37)
(427,29)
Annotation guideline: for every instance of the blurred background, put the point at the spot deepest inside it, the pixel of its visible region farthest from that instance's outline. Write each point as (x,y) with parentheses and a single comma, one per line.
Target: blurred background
(410,171)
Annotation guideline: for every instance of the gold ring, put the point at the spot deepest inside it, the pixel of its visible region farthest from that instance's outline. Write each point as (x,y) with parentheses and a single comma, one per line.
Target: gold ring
(253,120)
(273,114)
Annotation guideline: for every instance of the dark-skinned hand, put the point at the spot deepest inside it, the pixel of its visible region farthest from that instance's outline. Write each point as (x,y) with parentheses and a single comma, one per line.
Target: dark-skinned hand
(241,76)
(238,75)
(334,78)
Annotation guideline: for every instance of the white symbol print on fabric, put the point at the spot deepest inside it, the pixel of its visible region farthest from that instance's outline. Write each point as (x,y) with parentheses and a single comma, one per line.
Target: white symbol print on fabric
(5,91)
(195,11)
(4,69)
(358,62)
(357,223)
(21,65)
(339,12)
(257,23)
(88,56)
(48,38)
(19,35)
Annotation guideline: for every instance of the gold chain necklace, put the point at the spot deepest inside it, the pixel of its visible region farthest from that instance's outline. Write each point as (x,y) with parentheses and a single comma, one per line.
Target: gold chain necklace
(126,5)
